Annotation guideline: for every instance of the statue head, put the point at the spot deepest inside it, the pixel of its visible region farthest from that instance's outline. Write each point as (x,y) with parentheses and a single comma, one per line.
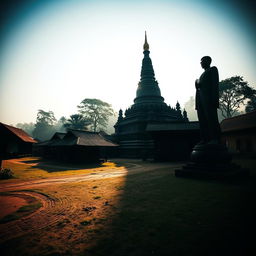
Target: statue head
(206,62)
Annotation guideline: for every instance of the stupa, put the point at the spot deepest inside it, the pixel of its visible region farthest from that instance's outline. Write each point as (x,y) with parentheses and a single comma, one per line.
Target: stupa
(148,108)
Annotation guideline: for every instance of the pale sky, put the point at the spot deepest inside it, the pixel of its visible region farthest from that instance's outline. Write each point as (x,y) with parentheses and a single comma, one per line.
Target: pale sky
(56,53)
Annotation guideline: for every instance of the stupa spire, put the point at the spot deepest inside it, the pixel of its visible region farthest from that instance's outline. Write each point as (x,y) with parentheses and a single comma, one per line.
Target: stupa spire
(148,89)
(146,45)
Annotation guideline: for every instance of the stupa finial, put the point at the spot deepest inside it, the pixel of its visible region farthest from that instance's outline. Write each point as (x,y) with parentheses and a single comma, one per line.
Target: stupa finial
(146,45)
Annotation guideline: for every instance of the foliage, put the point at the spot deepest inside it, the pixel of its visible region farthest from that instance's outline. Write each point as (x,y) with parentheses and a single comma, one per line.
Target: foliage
(44,127)
(97,112)
(234,92)
(251,104)
(45,117)
(6,173)
(60,125)
(77,121)
(27,127)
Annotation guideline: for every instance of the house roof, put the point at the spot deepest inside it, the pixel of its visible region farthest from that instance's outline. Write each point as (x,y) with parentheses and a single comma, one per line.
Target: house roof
(19,133)
(80,138)
(241,122)
(58,136)
(85,138)
(173,126)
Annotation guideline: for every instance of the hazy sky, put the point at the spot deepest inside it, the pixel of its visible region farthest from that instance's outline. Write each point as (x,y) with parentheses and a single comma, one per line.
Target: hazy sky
(56,53)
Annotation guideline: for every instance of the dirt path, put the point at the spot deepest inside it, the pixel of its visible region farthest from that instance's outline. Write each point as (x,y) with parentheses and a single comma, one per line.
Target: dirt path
(132,168)
(68,201)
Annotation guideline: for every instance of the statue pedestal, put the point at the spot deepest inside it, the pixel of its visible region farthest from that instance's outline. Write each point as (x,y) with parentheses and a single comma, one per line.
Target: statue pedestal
(210,153)
(211,161)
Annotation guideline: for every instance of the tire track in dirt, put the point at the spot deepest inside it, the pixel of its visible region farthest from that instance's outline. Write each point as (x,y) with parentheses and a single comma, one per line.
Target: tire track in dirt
(54,208)
(37,220)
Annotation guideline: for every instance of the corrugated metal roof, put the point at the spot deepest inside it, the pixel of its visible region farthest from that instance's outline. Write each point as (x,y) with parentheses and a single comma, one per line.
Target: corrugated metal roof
(19,133)
(241,122)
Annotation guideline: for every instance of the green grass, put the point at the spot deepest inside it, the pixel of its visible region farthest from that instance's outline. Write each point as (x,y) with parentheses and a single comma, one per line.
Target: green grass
(85,223)
(30,207)
(22,168)
(9,217)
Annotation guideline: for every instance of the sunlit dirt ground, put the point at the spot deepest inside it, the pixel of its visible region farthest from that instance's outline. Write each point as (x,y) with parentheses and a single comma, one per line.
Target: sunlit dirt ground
(76,204)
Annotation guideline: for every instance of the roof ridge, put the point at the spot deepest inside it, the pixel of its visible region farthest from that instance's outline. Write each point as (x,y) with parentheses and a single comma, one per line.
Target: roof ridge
(19,133)
(244,114)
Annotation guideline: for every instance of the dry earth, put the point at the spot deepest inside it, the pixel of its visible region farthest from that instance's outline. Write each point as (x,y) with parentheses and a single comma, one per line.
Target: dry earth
(76,209)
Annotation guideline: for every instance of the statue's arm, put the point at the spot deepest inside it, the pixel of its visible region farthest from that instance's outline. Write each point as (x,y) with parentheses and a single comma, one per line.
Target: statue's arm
(215,86)
(197,85)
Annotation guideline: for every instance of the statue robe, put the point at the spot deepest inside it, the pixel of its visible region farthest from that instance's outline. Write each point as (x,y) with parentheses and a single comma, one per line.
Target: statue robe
(207,102)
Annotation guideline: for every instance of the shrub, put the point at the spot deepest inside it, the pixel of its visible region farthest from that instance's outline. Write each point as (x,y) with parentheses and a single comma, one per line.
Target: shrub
(6,174)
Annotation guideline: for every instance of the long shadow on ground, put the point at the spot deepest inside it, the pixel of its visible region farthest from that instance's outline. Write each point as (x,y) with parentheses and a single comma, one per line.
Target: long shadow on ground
(160,214)
(55,166)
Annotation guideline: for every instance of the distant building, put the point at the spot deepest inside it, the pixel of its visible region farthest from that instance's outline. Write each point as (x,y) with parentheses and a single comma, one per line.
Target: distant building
(14,142)
(76,146)
(239,133)
(133,130)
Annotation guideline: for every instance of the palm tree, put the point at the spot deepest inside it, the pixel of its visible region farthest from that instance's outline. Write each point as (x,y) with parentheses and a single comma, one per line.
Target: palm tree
(77,121)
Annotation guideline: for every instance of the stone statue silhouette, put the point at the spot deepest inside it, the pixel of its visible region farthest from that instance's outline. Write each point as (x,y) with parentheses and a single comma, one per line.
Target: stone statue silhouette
(209,158)
(207,102)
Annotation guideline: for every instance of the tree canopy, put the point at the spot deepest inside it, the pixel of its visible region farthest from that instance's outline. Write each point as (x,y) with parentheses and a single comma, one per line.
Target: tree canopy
(27,127)
(251,105)
(234,92)
(97,112)
(44,127)
(77,121)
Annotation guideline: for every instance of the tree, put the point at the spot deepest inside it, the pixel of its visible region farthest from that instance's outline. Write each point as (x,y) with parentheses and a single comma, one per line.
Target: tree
(44,127)
(77,121)
(27,127)
(234,92)
(59,126)
(251,105)
(97,112)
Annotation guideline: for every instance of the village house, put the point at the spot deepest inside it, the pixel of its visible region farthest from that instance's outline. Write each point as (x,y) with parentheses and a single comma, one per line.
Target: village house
(14,142)
(76,146)
(239,133)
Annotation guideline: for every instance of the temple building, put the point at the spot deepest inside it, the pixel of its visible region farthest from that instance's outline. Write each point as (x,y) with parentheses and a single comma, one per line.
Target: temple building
(132,130)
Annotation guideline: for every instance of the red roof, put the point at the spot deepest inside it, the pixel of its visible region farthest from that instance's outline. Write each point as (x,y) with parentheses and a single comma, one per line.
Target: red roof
(241,122)
(19,133)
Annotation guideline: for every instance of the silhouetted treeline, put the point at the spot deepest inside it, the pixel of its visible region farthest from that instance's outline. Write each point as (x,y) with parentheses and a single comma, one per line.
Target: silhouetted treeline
(93,116)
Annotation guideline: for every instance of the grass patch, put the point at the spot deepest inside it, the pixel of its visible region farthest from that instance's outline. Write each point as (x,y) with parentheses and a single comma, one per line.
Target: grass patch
(6,173)
(160,214)
(8,218)
(30,207)
(85,223)
(21,212)
(35,168)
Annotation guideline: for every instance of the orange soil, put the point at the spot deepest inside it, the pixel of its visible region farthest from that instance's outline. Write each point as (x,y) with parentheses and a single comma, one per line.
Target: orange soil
(77,211)
(10,204)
